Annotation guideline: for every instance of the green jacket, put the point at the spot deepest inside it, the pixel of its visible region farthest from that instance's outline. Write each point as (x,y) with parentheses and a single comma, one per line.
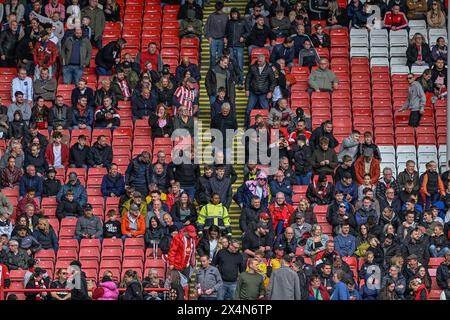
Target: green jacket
(322,79)
(97,20)
(185,33)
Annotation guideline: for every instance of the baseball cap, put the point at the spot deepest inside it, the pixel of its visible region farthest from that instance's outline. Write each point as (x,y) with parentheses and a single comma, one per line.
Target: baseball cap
(51,169)
(190,229)
(368,152)
(87,206)
(279,247)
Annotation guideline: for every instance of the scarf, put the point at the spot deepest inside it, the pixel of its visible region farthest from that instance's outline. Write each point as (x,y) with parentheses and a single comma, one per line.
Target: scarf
(82,109)
(39,285)
(190,250)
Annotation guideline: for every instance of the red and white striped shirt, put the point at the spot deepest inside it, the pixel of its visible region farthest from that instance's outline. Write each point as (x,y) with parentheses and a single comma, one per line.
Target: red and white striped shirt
(186,98)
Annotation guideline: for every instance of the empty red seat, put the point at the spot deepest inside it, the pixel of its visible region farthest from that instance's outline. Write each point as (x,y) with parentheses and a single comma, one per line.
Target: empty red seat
(112,243)
(67,254)
(134,243)
(133,254)
(47,255)
(112,254)
(68,244)
(90,253)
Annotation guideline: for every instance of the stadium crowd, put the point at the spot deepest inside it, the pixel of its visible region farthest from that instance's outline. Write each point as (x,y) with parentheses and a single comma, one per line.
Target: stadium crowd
(357,231)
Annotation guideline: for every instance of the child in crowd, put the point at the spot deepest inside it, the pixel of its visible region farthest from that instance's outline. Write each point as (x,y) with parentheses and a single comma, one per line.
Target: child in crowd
(112,228)
(366,184)
(69,207)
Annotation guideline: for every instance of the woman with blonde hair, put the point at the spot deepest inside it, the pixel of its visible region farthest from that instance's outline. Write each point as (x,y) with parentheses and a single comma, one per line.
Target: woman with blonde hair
(316,242)
(160,122)
(419,290)
(305,209)
(435,16)
(45,235)
(112,11)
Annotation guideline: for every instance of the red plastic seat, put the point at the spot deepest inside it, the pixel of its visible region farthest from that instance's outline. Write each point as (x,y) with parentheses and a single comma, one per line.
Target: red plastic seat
(134,243)
(67,254)
(133,254)
(67,232)
(111,254)
(47,255)
(90,253)
(68,244)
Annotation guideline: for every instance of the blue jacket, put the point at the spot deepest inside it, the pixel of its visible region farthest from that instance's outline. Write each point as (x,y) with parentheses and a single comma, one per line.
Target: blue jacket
(79,193)
(114,185)
(284,187)
(35,182)
(346,246)
(340,292)
(244,196)
(280,51)
(352,190)
(362,215)
(193,68)
(141,107)
(87,118)
(47,241)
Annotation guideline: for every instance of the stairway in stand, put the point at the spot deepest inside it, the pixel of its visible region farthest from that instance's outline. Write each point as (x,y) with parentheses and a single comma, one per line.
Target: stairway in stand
(205,114)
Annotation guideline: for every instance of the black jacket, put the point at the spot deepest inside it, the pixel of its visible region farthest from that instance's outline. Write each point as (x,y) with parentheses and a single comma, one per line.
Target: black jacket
(248,218)
(318,133)
(68,209)
(79,157)
(229,264)
(82,293)
(39,162)
(412,53)
(175,213)
(222,123)
(260,83)
(442,275)
(60,115)
(157,131)
(133,292)
(187,174)
(106,56)
(142,107)
(8,43)
(325,40)
(234,30)
(257,37)
(182,14)
(302,159)
(211,82)
(51,187)
(138,173)
(420,248)
(101,155)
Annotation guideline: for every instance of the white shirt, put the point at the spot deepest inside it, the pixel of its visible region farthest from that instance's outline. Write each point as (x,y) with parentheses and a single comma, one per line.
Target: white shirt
(57,153)
(26,86)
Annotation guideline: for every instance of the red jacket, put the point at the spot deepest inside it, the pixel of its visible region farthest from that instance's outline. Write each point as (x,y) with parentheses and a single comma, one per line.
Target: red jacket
(419,292)
(281,214)
(178,256)
(4,276)
(395,20)
(45,56)
(50,157)
(153,58)
(323,291)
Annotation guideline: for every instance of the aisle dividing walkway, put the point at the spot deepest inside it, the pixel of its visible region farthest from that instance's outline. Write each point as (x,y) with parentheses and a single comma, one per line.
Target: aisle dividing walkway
(205,110)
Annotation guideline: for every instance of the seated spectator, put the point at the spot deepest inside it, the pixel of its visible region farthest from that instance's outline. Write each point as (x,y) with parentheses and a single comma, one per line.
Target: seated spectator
(348,187)
(299,39)
(45,87)
(438,243)
(74,184)
(16,258)
(417,244)
(395,19)
(438,51)
(36,281)
(27,200)
(345,167)
(212,212)
(325,130)
(57,153)
(24,84)
(416,9)
(190,27)
(143,105)
(259,34)
(112,228)
(323,79)
(6,225)
(11,175)
(154,233)
(258,187)
(387,181)
(113,184)
(39,115)
(151,54)
(307,56)
(68,207)
(83,115)
(343,214)
(316,243)
(36,157)
(80,153)
(258,239)
(21,105)
(82,89)
(60,282)
(436,16)
(18,127)
(320,193)
(337,15)
(360,17)
(45,235)
(418,52)
(109,56)
(362,214)
(284,51)
(88,226)
(281,213)
(287,241)
(27,242)
(101,153)
(31,180)
(432,185)
(160,122)
(319,38)
(280,23)
(60,114)
(121,86)
(104,91)
(133,224)
(106,115)
(164,91)
(184,65)
(367,160)
(324,159)
(190,8)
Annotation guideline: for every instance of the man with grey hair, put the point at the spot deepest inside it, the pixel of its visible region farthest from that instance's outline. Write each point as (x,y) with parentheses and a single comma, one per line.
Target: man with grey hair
(259,86)
(16,258)
(223,121)
(323,79)
(230,263)
(387,181)
(76,54)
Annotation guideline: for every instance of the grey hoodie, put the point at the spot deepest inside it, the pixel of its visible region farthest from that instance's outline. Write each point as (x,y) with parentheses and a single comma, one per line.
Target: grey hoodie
(91,226)
(416,98)
(348,146)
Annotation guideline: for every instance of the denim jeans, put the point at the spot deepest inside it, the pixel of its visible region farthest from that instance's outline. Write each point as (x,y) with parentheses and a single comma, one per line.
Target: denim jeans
(72,74)
(215,49)
(227,291)
(103,72)
(252,100)
(304,180)
(238,55)
(431,199)
(438,254)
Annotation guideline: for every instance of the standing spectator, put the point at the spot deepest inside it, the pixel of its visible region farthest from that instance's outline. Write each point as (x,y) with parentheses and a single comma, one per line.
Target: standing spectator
(443,273)
(9,39)
(250,284)
(259,34)
(54,6)
(259,86)
(214,213)
(182,251)
(88,226)
(186,96)
(76,53)
(284,283)
(45,54)
(235,33)
(215,32)
(230,263)
(20,105)
(22,84)
(97,21)
(57,153)
(220,76)
(134,290)
(108,56)
(284,51)
(208,280)
(432,185)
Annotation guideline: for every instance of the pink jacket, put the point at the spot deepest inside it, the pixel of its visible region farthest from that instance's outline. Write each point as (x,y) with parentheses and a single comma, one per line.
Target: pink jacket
(111,291)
